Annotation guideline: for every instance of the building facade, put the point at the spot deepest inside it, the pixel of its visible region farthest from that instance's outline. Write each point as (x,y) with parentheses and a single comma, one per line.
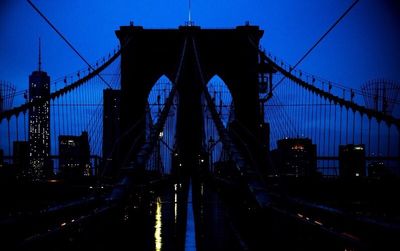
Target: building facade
(40,167)
(295,157)
(111,115)
(352,161)
(111,128)
(74,156)
(21,160)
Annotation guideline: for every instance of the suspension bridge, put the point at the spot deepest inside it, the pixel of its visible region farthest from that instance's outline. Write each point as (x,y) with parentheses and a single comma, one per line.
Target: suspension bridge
(200,139)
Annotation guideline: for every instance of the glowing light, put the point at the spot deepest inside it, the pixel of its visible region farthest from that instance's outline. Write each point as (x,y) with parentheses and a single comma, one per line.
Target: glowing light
(63,224)
(175,207)
(298,147)
(158,226)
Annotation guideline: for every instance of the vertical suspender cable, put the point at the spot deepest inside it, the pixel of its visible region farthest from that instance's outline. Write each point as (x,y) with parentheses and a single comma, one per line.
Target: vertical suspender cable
(9,137)
(369,136)
(388,141)
(71,111)
(340,125)
(329,130)
(312,118)
(334,133)
(321,131)
(297,107)
(354,124)
(59,116)
(361,127)
(16,125)
(309,119)
(334,136)
(73,108)
(82,109)
(347,125)
(302,115)
(25,126)
(63,115)
(379,138)
(324,139)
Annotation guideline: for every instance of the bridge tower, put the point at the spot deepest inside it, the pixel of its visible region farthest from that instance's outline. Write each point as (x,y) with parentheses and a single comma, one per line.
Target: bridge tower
(148,54)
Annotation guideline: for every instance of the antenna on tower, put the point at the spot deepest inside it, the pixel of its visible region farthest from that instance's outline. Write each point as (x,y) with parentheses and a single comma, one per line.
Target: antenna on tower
(190,8)
(190,13)
(40,56)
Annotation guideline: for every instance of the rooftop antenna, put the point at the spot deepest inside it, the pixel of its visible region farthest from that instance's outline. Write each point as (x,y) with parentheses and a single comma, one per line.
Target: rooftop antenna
(190,12)
(40,56)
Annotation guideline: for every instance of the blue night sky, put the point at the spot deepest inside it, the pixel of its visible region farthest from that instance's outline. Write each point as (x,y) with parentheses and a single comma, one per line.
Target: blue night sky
(364,46)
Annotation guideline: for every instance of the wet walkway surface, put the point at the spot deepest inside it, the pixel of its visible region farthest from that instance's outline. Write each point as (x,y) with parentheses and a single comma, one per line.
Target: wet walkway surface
(189,216)
(192,215)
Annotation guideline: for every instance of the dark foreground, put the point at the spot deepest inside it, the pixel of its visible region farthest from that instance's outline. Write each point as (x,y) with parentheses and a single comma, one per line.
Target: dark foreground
(189,214)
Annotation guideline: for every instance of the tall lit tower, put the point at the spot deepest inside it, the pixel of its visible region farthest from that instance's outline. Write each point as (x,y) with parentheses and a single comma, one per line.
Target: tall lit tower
(39,125)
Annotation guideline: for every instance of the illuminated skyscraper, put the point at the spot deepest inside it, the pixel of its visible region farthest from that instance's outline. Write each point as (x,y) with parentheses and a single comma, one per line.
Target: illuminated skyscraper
(39,125)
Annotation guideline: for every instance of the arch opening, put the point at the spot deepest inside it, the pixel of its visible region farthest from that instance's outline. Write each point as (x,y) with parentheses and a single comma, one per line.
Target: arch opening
(158,96)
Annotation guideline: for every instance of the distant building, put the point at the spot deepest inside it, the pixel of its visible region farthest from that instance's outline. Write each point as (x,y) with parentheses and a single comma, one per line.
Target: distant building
(295,157)
(74,156)
(39,125)
(352,160)
(8,172)
(111,125)
(21,160)
(377,169)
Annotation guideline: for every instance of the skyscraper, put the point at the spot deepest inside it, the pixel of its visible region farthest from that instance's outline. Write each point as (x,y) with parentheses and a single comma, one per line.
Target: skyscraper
(111,127)
(74,156)
(352,161)
(295,157)
(39,125)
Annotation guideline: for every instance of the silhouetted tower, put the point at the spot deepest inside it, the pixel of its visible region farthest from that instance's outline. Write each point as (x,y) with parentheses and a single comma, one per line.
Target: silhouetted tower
(39,125)
(229,53)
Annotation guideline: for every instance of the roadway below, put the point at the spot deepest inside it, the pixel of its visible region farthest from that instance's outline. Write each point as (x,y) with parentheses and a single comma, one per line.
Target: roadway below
(197,213)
